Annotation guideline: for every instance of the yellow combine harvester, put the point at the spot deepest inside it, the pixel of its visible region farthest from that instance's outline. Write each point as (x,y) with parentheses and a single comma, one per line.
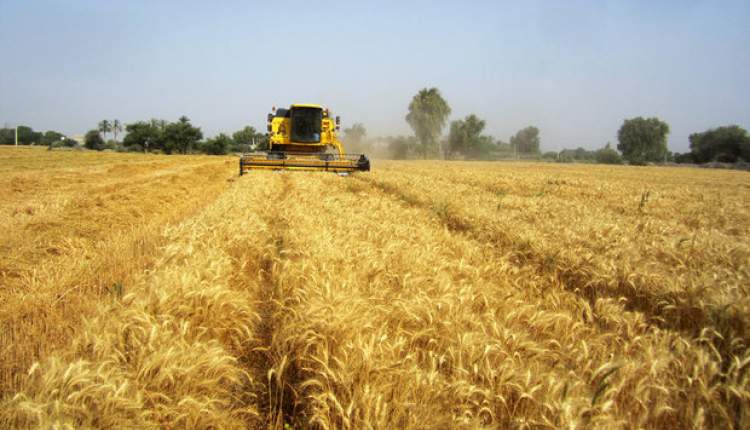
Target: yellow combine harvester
(299,139)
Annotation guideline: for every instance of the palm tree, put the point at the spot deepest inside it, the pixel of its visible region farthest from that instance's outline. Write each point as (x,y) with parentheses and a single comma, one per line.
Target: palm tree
(105,127)
(116,127)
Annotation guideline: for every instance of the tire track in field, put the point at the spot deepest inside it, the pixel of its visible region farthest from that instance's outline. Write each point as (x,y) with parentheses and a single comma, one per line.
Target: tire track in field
(274,374)
(281,397)
(580,279)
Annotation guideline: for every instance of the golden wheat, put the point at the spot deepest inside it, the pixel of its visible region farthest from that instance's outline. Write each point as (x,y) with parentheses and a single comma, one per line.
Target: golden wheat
(75,231)
(421,295)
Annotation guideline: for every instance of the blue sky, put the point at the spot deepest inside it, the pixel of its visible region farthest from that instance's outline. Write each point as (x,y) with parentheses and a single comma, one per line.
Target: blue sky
(575,69)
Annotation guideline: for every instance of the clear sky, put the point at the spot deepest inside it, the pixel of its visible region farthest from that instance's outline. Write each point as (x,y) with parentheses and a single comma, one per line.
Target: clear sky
(575,69)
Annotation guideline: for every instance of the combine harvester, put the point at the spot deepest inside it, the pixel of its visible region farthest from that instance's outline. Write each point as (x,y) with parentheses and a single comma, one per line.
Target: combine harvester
(299,139)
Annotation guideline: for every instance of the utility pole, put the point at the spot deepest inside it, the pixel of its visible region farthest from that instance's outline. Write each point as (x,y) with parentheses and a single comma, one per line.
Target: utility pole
(16,135)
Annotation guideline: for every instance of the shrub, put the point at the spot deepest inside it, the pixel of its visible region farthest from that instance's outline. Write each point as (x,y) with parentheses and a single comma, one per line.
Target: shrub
(608,155)
(218,145)
(93,140)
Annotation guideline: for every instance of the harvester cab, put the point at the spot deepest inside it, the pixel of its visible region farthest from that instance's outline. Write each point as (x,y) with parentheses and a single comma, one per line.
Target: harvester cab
(300,138)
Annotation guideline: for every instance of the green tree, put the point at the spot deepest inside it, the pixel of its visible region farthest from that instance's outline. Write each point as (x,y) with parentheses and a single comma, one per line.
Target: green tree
(7,136)
(526,141)
(428,113)
(142,135)
(93,140)
(355,138)
(720,144)
(686,157)
(465,137)
(566,156)
(104,127)
(27,136)
(608,155)
(504,149)
(643,140)
(248,139)
(582,154)
(116,128)
(50,138)
(218,145)
(180,136)
(579,154)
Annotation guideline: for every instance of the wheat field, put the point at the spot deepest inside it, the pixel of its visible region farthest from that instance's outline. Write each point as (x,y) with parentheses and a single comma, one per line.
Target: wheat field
(146,291)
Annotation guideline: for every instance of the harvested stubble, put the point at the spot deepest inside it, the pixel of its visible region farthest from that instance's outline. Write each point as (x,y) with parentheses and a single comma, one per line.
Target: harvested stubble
(168,352)
(424,295)
(75,231)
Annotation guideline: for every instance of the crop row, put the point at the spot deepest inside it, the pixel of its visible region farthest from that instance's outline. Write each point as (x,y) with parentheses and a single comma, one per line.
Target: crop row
(685,284)
(385,309)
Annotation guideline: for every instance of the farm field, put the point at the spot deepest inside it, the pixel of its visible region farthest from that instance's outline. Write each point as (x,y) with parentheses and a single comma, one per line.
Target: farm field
(144,291)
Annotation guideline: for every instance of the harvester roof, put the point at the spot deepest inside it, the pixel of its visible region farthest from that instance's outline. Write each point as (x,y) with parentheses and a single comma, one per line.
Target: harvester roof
(306,105)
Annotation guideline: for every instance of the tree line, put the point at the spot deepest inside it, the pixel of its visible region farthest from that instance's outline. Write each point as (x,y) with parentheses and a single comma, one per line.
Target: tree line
(640,140)
(155,135)
(178,137)
(27,136)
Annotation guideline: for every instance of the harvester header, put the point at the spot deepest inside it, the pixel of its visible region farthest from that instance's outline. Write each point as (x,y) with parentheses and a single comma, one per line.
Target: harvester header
(300,138)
